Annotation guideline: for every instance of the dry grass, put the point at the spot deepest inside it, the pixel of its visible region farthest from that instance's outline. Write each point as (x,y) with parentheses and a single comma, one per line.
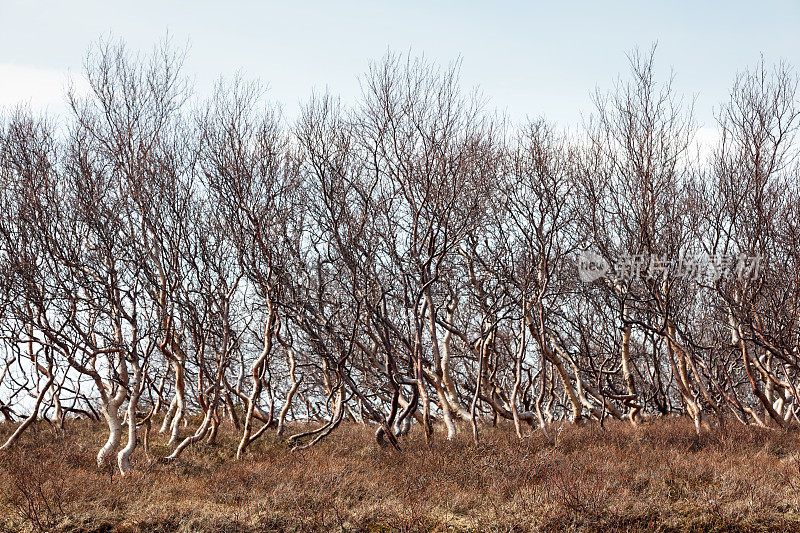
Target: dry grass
(658,477)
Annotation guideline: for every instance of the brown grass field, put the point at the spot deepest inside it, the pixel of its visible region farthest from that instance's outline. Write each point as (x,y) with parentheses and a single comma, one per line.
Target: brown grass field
(657,477)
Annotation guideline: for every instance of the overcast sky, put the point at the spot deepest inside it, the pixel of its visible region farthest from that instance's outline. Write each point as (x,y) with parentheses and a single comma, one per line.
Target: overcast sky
(530,59)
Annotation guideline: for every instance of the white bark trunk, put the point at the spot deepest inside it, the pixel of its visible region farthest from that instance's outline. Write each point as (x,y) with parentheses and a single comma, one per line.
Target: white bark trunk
(111,413)
(124,455)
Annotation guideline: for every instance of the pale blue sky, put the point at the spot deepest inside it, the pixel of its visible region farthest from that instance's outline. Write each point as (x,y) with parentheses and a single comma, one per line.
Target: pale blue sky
(528,58)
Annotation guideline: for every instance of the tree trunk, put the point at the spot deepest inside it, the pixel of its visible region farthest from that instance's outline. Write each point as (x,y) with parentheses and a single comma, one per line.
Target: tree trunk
(124,455)
(627,374)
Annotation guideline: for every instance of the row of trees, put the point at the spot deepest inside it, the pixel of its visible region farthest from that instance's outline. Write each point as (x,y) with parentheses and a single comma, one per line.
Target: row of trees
(407,261)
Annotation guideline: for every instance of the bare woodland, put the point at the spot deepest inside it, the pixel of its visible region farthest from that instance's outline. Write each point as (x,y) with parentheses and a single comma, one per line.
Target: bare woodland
(172,265)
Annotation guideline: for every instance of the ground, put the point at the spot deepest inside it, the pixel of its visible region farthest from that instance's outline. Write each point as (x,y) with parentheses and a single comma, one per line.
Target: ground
(656,477)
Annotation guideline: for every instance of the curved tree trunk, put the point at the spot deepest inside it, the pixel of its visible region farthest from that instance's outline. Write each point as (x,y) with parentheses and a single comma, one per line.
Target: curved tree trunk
(32,417)
(124,455)
(110,410)
(257,374)
(290,395)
